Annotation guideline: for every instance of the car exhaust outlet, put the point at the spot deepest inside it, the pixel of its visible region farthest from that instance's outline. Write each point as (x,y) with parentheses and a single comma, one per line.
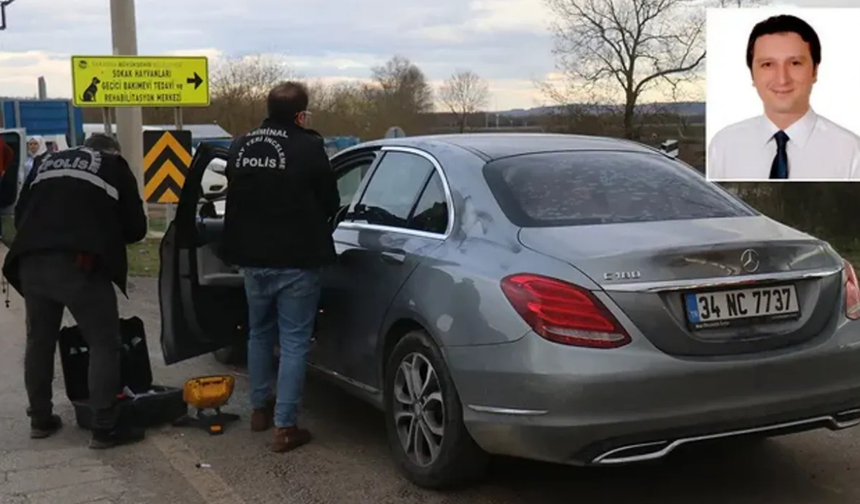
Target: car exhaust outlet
(847,419)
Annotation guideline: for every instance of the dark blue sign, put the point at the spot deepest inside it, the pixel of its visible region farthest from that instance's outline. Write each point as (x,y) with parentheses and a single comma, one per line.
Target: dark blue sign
(339,143)
(45,117)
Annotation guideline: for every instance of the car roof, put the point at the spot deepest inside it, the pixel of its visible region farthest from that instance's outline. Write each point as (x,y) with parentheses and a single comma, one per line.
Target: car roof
(492,146)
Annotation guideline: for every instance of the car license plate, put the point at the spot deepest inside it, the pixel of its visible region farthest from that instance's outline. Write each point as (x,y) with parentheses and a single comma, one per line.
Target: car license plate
(725,308)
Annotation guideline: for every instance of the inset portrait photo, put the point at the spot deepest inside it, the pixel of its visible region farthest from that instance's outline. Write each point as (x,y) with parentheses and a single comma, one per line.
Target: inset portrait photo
(783,94)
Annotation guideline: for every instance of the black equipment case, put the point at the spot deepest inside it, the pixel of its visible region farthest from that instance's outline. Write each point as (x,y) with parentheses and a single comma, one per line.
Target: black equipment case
(149,406)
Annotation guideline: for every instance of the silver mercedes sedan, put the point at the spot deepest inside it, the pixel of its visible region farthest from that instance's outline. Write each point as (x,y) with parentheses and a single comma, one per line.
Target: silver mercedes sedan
(571,299)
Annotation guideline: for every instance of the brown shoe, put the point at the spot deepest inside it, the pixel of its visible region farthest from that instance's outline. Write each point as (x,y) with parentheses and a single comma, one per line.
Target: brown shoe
(290,438)
(263,419)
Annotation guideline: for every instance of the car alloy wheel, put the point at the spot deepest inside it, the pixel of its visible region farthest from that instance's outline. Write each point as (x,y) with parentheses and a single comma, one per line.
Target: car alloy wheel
(419,409)
(424,417)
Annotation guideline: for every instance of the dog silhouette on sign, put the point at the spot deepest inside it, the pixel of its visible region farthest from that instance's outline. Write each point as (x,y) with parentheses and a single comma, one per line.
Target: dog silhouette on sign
(90,92)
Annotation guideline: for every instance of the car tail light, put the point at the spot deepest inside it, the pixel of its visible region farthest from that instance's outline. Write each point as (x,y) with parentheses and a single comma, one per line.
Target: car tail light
(852,292)
(563,313)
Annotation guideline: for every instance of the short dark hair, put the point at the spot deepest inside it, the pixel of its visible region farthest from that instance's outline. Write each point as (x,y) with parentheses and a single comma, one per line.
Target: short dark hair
(286,100)
(102,142)
(785,23)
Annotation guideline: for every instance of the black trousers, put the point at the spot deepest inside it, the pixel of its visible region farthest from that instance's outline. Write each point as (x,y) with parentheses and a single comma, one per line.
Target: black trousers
(52,281)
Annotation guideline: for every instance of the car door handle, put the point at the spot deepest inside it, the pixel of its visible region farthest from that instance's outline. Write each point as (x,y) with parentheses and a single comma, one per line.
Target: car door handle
(394,257)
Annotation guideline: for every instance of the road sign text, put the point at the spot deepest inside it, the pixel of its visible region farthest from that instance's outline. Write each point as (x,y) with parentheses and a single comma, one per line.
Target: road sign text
(140,81)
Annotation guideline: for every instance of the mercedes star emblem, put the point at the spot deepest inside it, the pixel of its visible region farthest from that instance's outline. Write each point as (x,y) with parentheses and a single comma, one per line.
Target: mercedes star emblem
(749,260)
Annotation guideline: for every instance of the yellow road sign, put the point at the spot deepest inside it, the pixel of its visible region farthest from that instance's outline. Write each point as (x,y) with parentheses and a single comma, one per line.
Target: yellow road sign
(166,159)
(140,81)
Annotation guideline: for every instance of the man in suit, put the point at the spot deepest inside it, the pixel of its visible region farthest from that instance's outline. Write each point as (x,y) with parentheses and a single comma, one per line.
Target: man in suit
(790,141)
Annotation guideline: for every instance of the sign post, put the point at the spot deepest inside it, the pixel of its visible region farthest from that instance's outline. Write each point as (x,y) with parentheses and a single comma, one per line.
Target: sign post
(670,147)
(108,121)
(148,81)
(177,115)
(395,132)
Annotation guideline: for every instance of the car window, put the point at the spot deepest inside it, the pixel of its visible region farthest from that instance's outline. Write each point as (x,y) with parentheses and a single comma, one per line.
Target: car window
(593,187)
(348,181)
(393,189)
(431,212)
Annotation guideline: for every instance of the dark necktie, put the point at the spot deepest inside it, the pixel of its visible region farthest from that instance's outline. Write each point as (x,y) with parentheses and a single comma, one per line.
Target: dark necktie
(779,169)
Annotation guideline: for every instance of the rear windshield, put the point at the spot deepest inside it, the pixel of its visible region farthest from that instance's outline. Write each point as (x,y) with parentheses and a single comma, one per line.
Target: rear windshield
(600,187)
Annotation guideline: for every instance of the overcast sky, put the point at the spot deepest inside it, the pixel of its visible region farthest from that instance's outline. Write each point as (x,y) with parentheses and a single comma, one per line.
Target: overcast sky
(505,41)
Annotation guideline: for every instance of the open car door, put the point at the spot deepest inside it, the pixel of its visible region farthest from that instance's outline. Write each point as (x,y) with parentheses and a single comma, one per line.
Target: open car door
(202,299)
(13,145)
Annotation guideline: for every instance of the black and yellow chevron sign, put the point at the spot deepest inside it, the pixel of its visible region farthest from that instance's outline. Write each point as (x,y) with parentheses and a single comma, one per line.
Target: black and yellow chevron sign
(166,160)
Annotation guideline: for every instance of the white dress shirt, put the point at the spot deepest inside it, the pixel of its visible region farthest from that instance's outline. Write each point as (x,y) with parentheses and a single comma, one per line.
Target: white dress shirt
(817,149)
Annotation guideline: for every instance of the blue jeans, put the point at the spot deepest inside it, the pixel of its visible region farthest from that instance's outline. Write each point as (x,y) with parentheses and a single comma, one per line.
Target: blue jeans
(282,306)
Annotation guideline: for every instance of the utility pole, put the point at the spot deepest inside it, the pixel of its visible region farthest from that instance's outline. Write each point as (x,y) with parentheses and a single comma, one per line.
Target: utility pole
(129,120)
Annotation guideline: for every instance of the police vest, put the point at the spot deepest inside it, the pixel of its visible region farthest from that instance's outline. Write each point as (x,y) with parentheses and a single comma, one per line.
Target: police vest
(80,163)
(263,148)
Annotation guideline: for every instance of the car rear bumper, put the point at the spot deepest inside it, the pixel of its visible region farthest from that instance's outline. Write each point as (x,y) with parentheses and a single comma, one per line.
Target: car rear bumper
(539,400)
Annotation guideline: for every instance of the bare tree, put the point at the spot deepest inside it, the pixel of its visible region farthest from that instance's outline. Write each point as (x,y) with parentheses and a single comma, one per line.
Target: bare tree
(398,94)
(239,87)
(340,109)
(585,113)
(404,83)
(249,76)
(464,93)
(626,47)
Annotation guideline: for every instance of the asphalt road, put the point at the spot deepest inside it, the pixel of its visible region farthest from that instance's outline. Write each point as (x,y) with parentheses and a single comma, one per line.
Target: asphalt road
(348,460)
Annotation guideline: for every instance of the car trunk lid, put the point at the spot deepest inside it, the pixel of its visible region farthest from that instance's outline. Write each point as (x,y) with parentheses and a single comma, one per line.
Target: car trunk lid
(671,278)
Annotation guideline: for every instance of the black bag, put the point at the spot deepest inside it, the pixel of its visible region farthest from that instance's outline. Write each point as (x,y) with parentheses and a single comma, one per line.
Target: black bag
(151,404)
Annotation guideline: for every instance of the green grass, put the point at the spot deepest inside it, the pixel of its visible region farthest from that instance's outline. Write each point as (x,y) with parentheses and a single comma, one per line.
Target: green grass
(157,223)
(143,258)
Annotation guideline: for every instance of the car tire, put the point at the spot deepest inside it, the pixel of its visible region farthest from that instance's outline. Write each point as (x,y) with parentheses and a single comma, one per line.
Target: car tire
(233,355)
(455,459)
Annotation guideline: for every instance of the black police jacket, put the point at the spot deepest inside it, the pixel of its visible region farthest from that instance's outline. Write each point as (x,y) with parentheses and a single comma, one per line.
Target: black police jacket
(82,201)
(281,197)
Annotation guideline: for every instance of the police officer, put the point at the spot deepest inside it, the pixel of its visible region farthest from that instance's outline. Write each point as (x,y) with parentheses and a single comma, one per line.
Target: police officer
(281,196)
(77,211)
